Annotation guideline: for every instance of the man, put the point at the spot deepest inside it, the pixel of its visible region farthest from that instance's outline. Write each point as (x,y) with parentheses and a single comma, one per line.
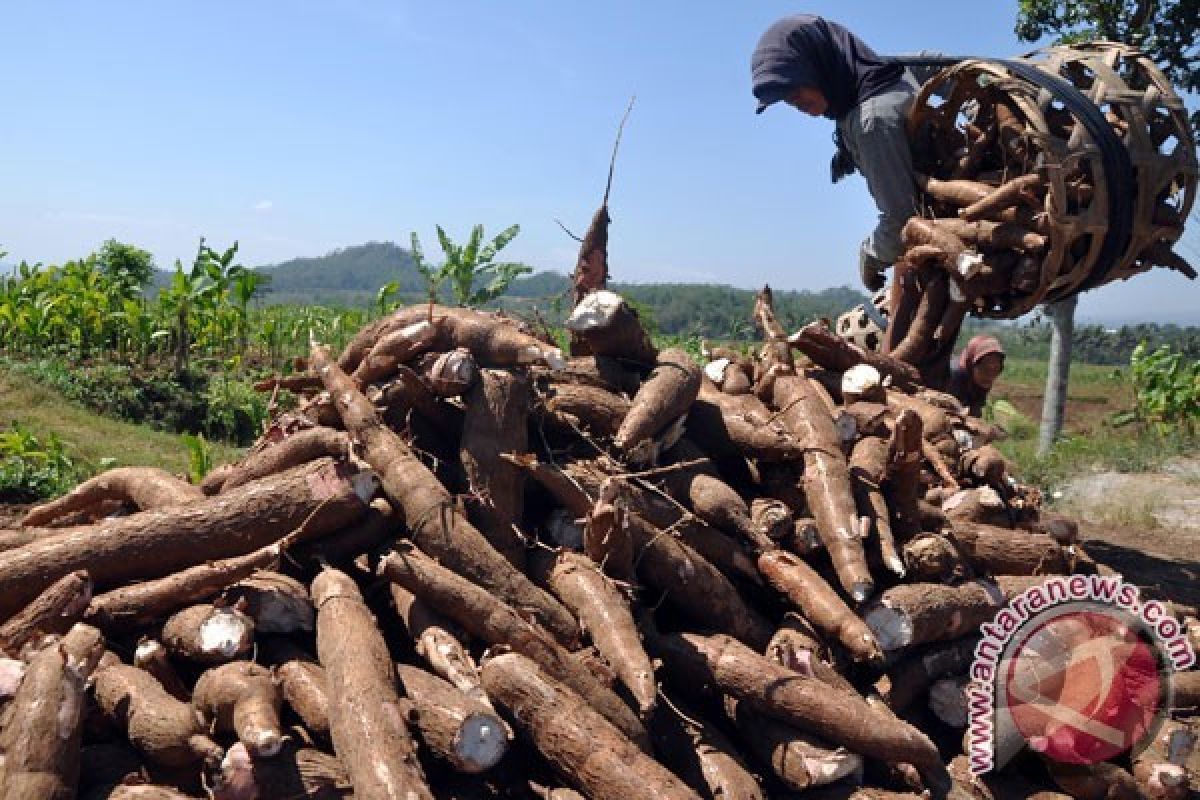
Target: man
(820,68)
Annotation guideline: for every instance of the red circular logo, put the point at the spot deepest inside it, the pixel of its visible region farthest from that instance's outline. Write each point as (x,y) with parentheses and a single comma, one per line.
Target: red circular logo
(1083,686)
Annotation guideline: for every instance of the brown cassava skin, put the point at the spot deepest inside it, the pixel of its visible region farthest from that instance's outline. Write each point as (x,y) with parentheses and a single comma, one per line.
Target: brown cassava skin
(604,614)
(666,394)
(162,728)
(147,791)
(868,466)
(955,192)
(826,481)
(1158,770)
(819,603)
(185,635)
(606,538)
(701,755)
(600,410)
(621,337)
(488,618)
(601,372)
(722,664)
(276,602)
(985,465)
(903,487)
(691,582)
(298,448)
(933,558)
(908,678)
(144,488)
(442,649)
(583,746)
(393,349)
(1004,551)
(793,755)
(241,697)
(772,518)
(794,637)
(302,681)
(1103,781)
(919,231)
(735,425)
(917,341)
(151,656)
(435,523)
(1022,189)
(442,712)
(776,351)
(297,772)
(407,395)
(379,525)
(156,543)
(931,612)
(1186,687)
(591,267)
(827,349)
(41,739)
(358,347)
(713,500)
(53,612)
(496,422)
(494,341)
(140,603)
(998,235)
(366,717)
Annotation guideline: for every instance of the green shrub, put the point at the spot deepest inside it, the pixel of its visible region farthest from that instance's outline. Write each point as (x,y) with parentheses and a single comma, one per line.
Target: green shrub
(34,468)
(233,411)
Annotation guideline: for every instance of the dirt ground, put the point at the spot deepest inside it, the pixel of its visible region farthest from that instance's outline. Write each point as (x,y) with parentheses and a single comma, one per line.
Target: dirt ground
(1145,526)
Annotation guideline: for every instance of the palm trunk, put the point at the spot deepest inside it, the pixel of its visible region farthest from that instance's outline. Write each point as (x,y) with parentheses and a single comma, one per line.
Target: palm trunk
(1062,322)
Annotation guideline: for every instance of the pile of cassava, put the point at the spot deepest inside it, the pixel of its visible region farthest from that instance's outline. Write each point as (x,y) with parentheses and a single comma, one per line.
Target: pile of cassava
(468,566)
(1018,207)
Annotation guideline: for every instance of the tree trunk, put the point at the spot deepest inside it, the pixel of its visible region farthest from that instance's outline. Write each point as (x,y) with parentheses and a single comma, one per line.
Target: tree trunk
(1062,324)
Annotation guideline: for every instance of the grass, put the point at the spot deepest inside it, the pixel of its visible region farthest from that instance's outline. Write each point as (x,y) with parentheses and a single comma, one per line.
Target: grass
(89,437)
(1090,441)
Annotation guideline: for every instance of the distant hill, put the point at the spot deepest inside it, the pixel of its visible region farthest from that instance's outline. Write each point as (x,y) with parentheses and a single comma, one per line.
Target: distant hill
(351,276)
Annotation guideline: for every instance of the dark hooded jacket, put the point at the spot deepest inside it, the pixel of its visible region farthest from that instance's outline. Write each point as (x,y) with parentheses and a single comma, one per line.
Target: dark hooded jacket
(807,50)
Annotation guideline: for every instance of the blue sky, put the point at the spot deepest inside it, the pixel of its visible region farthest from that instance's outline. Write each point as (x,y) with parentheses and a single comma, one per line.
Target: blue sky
(303,126)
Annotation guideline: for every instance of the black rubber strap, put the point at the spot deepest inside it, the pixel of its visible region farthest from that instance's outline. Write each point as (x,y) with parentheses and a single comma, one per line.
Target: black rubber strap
(1118,169)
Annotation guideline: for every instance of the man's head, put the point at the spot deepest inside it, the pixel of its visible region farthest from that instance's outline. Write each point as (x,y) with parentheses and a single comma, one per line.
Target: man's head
(808,99)
(781,71)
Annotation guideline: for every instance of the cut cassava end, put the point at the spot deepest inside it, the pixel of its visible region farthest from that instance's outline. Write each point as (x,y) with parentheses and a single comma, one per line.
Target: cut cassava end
(436,524)
(831,351)
(607,326)
(459,730)
(320,497)
(801,761)
(142,488)
(152,656)
(208,634)
(366,717)
(912,675)
(276,602)
(917,613)
(583,746)
(242,698)
(296,772)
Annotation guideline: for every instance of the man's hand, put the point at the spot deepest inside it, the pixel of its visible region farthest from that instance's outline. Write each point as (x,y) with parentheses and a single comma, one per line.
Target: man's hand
(871,269)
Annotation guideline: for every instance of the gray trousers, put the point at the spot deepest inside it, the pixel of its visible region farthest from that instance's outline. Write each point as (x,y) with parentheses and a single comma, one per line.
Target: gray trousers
(874,133)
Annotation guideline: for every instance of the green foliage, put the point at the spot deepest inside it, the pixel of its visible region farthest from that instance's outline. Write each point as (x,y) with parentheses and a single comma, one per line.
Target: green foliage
(199,456)
(34,467)
(125,264)
(233,410)
(467,266)
(1166,30)
(1166,388)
